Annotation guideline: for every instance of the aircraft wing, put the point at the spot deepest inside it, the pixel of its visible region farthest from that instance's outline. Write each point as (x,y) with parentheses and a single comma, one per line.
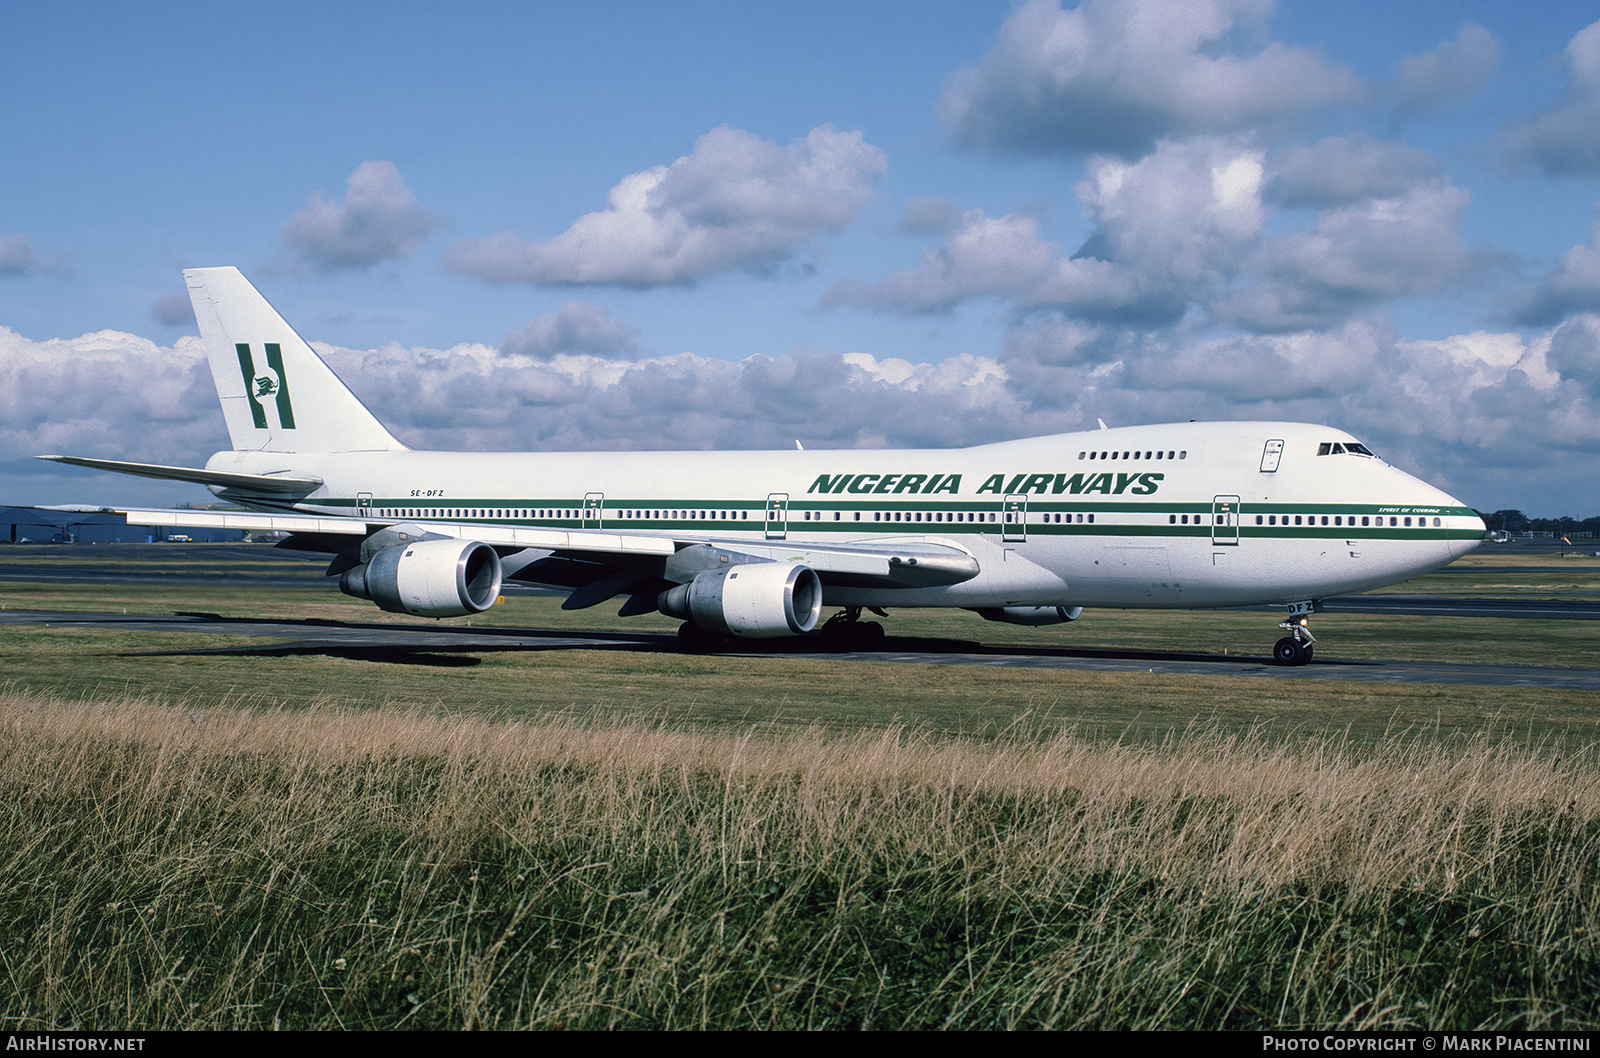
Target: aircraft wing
(910,563)
(271,484)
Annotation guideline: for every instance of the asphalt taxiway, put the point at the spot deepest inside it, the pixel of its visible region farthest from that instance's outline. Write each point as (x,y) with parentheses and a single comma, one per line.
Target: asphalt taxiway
(449,645)
(245,565)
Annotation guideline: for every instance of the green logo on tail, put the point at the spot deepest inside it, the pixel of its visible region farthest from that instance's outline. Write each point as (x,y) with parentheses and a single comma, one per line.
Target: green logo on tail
(269,383)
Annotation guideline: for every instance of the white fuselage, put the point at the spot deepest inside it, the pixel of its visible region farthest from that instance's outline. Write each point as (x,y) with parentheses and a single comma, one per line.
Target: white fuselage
(1183,515)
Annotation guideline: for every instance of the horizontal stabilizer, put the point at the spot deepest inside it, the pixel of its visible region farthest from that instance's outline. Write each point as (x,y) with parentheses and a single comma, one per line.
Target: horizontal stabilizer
(268,483)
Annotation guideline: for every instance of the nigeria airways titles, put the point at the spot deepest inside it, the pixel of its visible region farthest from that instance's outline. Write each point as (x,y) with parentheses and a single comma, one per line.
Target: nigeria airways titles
(1105,483)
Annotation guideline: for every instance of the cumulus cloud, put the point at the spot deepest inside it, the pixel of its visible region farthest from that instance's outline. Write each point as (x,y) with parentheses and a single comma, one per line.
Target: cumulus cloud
(477,398)
(1574,354)
(379,220)
(1115,76)
(1255,368)
(1184,236)
(1356,257)
(1340,170)
(1497,419)
(1562,140)
(576,328)
(107,394)
(1167,228)
(735,201)
(1127,377)
(1493,408)
(18,259)
(981,256)
(1500,419)
(1453,70)
(1573,286)
(1171,225)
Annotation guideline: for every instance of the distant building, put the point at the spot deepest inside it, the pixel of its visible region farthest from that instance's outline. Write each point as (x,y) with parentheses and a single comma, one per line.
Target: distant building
(41,525)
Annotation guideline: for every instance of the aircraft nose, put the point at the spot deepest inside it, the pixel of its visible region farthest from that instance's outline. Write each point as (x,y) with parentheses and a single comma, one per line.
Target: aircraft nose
(1459,547)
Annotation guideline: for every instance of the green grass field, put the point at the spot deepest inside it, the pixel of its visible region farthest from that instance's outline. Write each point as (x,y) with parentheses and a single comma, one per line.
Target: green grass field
(629,838)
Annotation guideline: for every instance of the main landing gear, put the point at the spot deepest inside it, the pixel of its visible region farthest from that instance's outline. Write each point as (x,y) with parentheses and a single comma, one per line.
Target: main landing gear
(1295,648)
(846,630)
(697,640)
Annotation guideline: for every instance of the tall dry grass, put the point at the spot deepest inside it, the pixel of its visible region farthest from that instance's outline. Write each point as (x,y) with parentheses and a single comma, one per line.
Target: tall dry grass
(235,867)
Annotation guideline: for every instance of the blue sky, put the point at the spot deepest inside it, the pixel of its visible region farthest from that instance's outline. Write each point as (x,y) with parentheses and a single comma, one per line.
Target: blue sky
(719,225)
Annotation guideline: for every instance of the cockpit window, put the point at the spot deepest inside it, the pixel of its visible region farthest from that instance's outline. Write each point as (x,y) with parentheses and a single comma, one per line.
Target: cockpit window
(1339,448)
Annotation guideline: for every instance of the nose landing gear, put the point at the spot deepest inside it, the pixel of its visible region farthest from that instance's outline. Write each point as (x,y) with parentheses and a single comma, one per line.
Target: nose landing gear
(1295,648)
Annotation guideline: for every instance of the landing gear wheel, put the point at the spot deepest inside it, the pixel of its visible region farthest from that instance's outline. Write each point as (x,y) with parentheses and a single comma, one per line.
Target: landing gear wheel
(697,640)
(846,631)
(1295,648)
(1290,651)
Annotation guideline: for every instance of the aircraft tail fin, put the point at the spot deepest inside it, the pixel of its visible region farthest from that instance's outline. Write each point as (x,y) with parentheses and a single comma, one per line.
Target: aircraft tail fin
(277,394)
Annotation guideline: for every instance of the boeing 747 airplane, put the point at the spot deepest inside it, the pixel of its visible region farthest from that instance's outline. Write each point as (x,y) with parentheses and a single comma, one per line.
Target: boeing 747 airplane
(757,544)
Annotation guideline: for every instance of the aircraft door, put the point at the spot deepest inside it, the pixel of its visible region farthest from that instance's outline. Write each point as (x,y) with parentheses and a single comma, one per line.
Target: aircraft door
(593,506)
(363,504)
(1014,520)
(1270,455)
(777,515)
(1225,520)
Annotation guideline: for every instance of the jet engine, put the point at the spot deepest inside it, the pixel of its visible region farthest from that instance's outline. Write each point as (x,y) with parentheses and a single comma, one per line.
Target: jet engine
(1031,615)
(430,578)
(758,600)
